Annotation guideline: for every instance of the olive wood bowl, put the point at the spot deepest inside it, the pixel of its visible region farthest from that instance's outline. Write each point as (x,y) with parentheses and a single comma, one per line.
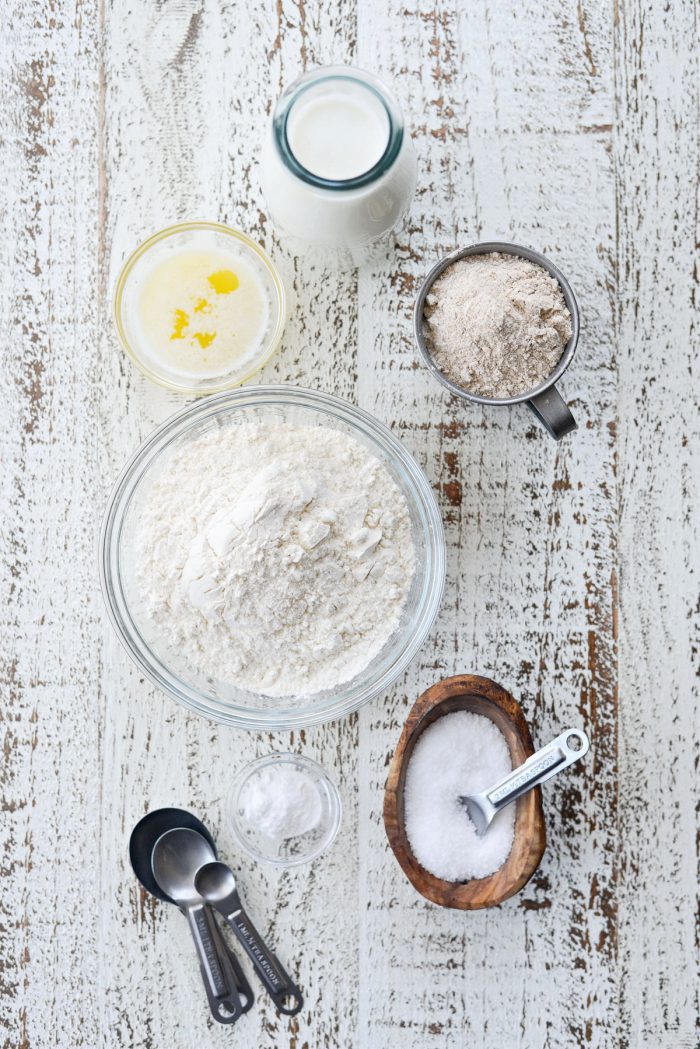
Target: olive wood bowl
(481,696)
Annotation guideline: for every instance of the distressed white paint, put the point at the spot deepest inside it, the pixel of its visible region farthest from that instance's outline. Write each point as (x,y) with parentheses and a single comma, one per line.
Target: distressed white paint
(569,127)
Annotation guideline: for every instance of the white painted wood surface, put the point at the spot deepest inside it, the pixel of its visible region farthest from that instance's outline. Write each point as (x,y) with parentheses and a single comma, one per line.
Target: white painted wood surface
(573,569)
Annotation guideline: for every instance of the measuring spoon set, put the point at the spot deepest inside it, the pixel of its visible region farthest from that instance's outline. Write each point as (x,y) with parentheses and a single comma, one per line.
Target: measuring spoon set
(174,857)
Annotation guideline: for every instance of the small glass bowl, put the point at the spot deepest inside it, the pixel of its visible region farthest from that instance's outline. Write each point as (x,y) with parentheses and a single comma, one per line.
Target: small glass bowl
(139,265)
(285,852)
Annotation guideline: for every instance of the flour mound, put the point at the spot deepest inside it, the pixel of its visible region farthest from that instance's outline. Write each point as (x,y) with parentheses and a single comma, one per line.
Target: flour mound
(277,557)
(496,324)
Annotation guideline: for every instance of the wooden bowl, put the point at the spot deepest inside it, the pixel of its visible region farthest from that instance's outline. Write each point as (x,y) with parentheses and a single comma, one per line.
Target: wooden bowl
(481,696)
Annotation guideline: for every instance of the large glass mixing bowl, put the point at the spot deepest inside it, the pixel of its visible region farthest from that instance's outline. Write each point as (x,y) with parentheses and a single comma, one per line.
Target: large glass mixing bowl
(221,699)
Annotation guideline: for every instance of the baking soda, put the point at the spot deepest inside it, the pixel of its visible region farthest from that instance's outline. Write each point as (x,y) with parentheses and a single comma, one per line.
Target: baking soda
(281,802)
(460,753)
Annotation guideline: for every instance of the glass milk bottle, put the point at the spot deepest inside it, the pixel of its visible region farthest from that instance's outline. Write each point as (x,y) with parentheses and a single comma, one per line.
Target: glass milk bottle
(338,168)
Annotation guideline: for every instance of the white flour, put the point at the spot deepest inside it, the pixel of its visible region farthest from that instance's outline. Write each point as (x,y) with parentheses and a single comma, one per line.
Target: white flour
(275,556)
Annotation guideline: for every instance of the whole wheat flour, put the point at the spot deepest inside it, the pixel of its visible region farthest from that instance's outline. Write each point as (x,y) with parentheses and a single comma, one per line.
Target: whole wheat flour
(275,556)
(496,324)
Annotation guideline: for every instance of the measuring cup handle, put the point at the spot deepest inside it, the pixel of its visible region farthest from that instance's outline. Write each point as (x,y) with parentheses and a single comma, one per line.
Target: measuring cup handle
(200,928)
(543,764)
(553,412)
(285,994)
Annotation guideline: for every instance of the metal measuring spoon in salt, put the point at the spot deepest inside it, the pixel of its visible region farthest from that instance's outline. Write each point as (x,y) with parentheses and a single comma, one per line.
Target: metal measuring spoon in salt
(448,807)
(545,763)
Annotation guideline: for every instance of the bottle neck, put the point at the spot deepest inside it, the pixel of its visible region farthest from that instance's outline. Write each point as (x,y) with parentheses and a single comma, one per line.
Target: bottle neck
(338,129)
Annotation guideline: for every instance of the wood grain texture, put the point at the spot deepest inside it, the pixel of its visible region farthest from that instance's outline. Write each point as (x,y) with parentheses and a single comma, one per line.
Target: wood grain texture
(568,127)
(659,480)
(51,703)
(531,529)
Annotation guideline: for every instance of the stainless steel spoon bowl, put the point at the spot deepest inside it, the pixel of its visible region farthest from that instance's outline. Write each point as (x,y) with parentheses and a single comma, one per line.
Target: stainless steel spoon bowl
(176,857)
(147,832)
(217,884)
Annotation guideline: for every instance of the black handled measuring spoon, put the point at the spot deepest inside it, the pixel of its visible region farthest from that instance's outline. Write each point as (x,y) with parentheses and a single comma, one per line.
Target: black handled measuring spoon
(236,995)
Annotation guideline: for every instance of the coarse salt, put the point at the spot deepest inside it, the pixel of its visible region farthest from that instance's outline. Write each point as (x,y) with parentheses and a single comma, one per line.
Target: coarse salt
(460,753)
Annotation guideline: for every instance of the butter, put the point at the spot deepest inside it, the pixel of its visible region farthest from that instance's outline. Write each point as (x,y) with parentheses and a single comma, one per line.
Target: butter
(223,281)
(203,312)
(179,324)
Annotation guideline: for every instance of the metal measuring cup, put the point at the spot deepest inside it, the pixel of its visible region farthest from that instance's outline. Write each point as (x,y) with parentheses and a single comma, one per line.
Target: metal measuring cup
(545,400)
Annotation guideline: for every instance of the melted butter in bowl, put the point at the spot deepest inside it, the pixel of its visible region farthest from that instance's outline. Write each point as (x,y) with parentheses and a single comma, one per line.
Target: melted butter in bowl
(199,307)
(202,312)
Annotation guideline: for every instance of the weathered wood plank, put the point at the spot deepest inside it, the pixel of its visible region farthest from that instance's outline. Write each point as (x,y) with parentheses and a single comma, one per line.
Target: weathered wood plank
(51,709)
(531,526)
(658,161)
